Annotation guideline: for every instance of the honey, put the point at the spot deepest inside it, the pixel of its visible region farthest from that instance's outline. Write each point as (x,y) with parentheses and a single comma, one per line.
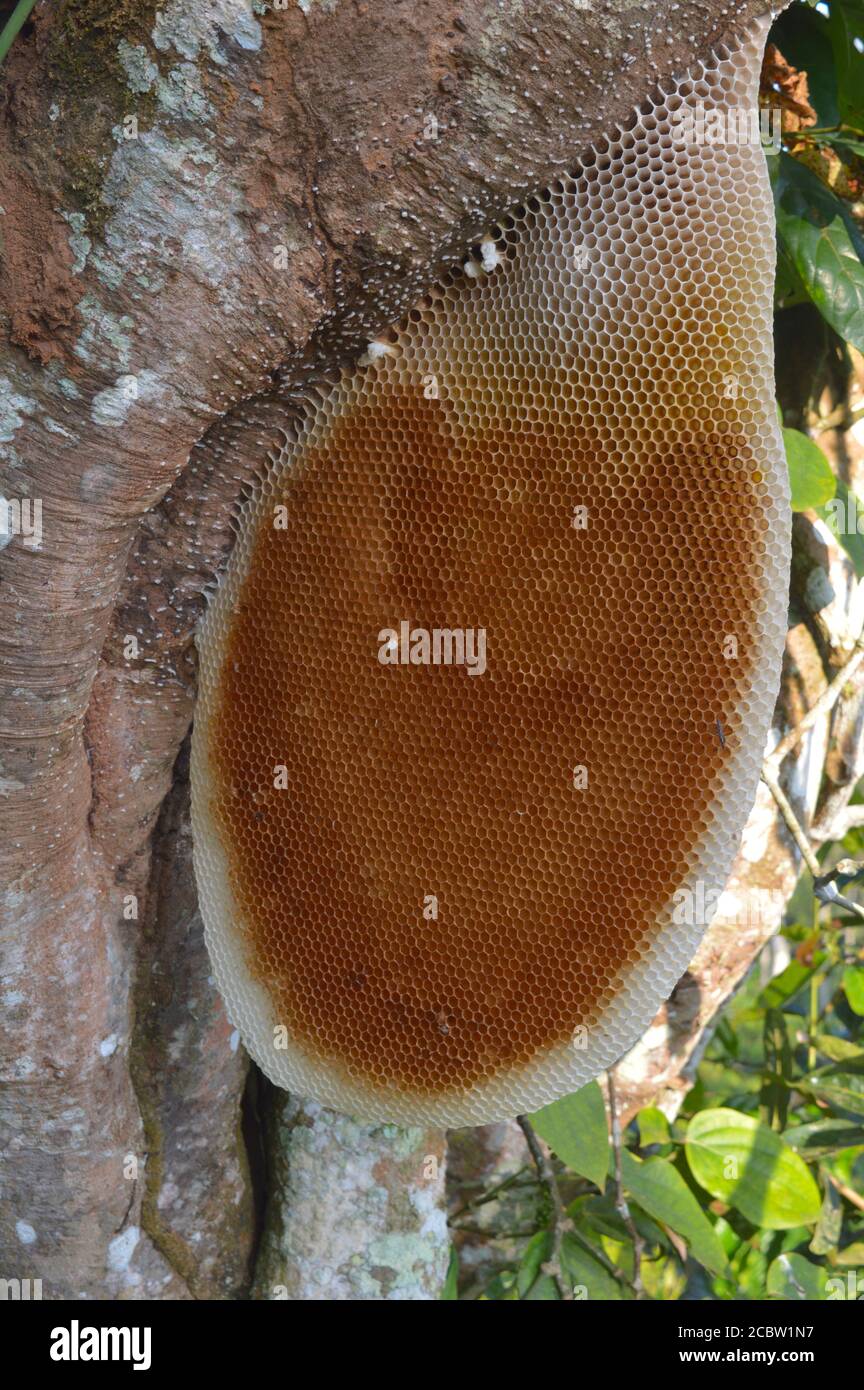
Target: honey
(601,652)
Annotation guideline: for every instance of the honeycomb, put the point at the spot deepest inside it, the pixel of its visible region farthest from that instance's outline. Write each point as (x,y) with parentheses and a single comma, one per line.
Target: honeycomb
(451,892)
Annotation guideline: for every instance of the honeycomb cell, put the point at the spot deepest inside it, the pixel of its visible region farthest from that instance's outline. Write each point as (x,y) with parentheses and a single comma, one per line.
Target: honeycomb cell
(485,687)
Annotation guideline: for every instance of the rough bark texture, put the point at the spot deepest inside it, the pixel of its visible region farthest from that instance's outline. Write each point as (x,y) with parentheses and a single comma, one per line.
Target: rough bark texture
(158,168)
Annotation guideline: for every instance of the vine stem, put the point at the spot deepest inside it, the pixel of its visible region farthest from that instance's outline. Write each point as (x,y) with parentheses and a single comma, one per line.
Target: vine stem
(559,1216)
(621,1205)
(14,25)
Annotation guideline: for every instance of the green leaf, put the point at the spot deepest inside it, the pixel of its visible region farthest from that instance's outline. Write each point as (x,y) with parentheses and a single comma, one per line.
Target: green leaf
(575,1128)
(664,1280)
(788,983)
(749,1273)
(748,1166)
(788,289)
(793,1278)
(774,1097)
(587,1273)
(842,1085)
(845,1164)
(830,1222)
(501,1288)
(653,1127)
(823,1137)
(837,1049)
(841,142)
(723,1082)
(853,988)
(658,1187)
(535,1253)
(597,1216)
(810,475)
(543,1291)
(821,241)
(450,1291)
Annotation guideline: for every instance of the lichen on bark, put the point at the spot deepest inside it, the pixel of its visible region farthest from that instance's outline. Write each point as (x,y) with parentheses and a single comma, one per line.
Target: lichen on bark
(355,1212)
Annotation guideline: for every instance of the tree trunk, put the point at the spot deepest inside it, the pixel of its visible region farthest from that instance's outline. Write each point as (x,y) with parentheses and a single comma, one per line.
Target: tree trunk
(204,208)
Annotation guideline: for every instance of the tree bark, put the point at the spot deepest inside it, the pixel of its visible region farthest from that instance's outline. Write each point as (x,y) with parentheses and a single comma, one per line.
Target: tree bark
(159,168)
(356,1211)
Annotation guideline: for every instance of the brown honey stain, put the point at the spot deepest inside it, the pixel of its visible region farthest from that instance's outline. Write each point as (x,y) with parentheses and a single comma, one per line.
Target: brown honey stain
(604,649)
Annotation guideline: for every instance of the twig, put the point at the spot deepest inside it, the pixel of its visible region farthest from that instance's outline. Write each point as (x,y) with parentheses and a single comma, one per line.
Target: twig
(822,887)
(841,418)
(484,1232)
(489,1194)
(620,1200)
(854,1197)
(826,702)
(559,1215)
(813,1020)
(769,777)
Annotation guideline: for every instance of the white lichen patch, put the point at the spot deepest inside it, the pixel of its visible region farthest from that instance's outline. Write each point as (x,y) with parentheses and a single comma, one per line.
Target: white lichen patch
(25,1232)
(204,212)
(404,1254)
(181,94)
(104,340)
(12,404)
(141,71)
(189,27)
(168,1194)
(121,1249)
(425,1200)
(79,243)
(111,406)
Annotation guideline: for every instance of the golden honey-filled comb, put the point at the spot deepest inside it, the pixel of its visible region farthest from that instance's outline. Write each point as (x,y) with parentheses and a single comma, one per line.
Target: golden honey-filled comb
(486,685)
